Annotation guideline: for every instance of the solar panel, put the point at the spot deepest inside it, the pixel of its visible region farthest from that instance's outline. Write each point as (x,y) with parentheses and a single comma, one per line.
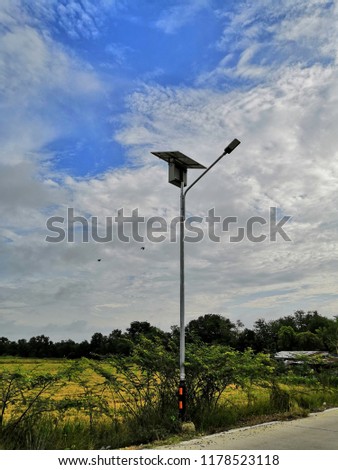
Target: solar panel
(179,158)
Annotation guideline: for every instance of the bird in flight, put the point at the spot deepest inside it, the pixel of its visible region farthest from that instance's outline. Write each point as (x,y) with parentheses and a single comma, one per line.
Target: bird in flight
(142,247)
(99,259)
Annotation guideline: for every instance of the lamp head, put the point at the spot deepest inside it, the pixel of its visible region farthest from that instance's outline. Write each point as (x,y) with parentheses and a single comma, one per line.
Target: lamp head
(235,143)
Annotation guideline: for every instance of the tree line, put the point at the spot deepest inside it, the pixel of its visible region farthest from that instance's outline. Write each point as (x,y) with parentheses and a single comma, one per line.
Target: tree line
(306,331)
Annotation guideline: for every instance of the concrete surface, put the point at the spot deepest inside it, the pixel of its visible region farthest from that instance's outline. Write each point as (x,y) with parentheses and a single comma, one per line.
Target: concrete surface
(319,431)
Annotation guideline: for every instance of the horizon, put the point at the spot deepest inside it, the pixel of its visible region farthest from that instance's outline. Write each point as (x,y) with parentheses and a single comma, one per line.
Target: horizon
(235,323)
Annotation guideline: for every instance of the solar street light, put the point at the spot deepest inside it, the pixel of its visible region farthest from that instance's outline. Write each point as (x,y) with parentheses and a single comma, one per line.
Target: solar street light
(178,168)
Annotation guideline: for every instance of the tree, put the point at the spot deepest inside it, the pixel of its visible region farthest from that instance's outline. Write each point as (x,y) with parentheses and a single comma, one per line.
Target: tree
(309,321)
(4,345)
(212,329)
(145,384)
(209,370)
(250,370)
(23,348)
(286,338)
(266,335)
(83,349)
(329,335)
(119,343)
(308,341)
(98,343)
(65,348)
(140,329)
(247,339)
(40,346)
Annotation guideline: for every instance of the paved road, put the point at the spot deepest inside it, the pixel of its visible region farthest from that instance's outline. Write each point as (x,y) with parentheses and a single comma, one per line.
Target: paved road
(319,431)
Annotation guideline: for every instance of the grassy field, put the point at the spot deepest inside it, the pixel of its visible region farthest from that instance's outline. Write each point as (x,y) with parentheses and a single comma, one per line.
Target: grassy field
(86,404)
(77,387)
(71,387)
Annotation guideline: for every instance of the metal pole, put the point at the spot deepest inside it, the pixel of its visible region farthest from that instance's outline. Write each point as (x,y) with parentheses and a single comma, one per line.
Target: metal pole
(182,386)
(182,391)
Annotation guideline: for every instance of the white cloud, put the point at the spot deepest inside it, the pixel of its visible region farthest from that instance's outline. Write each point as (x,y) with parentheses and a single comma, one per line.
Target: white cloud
(32,63)
(177,16)
(39,81)
(118,51)
(259,37)
(78,19)
(288,158)
(287,124)
(277,164)
(37,78)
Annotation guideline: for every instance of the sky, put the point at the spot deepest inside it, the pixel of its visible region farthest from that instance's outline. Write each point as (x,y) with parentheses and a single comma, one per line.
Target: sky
(88,88)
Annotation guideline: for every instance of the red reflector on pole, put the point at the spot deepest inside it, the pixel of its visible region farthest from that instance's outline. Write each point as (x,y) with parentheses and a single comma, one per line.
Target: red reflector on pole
(182,398)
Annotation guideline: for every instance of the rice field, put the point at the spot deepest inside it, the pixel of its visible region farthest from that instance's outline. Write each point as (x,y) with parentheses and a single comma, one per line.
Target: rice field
(86,404)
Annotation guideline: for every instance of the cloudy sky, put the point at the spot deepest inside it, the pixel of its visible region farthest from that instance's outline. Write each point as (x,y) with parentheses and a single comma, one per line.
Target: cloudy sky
(90,87)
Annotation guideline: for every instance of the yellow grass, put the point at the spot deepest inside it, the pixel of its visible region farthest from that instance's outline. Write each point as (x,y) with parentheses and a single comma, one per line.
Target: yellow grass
(88,385)
(79,388)
(88,382)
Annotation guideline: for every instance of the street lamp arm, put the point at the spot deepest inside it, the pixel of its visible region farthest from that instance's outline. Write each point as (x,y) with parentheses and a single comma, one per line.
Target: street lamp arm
(227,150)
(204,172)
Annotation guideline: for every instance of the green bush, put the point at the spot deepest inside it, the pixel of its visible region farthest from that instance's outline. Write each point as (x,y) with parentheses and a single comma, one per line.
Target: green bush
(279,399)
(135,400)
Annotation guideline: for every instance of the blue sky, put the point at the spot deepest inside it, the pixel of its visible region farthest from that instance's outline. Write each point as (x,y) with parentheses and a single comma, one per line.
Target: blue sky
(125,45)
(89,88)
